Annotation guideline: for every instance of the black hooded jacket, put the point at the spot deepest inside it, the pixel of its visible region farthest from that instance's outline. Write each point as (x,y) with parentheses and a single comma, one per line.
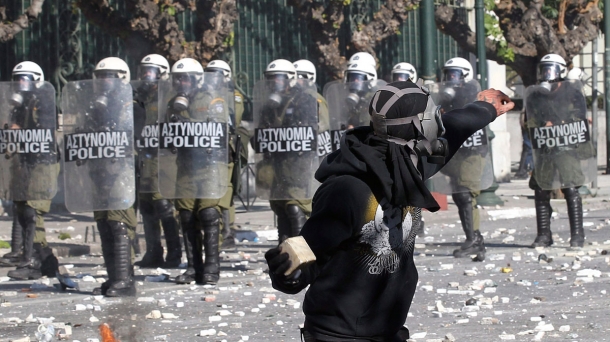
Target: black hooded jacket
(363,234)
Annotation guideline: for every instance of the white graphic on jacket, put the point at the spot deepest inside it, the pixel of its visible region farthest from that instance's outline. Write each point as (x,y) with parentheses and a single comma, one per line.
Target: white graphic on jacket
(387,238)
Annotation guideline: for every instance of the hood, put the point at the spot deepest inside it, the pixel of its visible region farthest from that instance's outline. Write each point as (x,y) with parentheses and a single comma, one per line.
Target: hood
(385,166)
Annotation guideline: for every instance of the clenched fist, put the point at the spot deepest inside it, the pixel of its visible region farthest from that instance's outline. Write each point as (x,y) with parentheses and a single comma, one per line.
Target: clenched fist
(498,99)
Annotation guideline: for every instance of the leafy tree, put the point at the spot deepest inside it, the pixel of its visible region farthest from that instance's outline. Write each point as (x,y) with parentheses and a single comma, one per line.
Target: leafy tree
(520,32)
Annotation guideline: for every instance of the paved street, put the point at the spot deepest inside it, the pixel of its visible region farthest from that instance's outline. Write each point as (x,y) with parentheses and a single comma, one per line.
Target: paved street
(517,293)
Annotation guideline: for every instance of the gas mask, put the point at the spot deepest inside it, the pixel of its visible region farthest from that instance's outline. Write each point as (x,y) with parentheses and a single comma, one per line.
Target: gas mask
(356,85)
(103,87)
(546,85)
(149,75)
(454,76)
(22,83)
(183,85)
(277,84)
(425,136)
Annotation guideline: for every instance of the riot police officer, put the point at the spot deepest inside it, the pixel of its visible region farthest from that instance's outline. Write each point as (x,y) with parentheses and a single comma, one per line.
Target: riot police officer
(362,84)
(562,160)
(306,76)
(116,227)
(466,167)
(403,72)
(284,172)
(153,206)
(201,171)
(33,168)
(219,71)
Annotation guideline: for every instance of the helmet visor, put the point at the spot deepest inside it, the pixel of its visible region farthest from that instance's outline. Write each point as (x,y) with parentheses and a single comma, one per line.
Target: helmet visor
(23,82)
(183,83)
(277,82)
(214,77)
(355,77)
(103,74)
(453,75)
(149,73)
(401,76)
(549,71)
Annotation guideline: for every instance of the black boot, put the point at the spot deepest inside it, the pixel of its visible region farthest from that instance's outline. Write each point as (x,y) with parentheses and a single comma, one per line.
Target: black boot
(228,237)
(574,202)
(12,258)
(124,284)
(283,226)
(165,212)
(153,257)
(107,240)
(210,221)
(474,243)
(297,219)
(542,202)
(187,221)
(522,172)
(29,267)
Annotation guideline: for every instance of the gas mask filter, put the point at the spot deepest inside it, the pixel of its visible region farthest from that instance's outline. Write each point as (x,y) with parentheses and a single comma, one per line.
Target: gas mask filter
(182,83)
(16,100)
(181,102)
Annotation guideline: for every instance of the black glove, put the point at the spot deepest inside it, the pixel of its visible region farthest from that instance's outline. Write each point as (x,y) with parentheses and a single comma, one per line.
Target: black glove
(278,264)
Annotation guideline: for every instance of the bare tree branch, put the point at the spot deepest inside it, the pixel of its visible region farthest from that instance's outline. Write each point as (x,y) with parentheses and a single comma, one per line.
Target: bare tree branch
(8,29)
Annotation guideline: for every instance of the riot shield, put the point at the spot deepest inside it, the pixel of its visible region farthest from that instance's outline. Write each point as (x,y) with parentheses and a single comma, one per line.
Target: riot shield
(98,155)
(564,156)
(470,168)
(146,134)
(349,107)
(29,163)
(193,145)
(452,96)
(285,139)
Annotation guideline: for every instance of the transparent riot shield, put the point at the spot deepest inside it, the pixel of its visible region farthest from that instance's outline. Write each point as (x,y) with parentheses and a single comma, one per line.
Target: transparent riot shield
(470,168)
(193,145)
(452,96)
(564,156)
(29,163)
(285,139)
(146,134)
(348,105)
(98,155)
